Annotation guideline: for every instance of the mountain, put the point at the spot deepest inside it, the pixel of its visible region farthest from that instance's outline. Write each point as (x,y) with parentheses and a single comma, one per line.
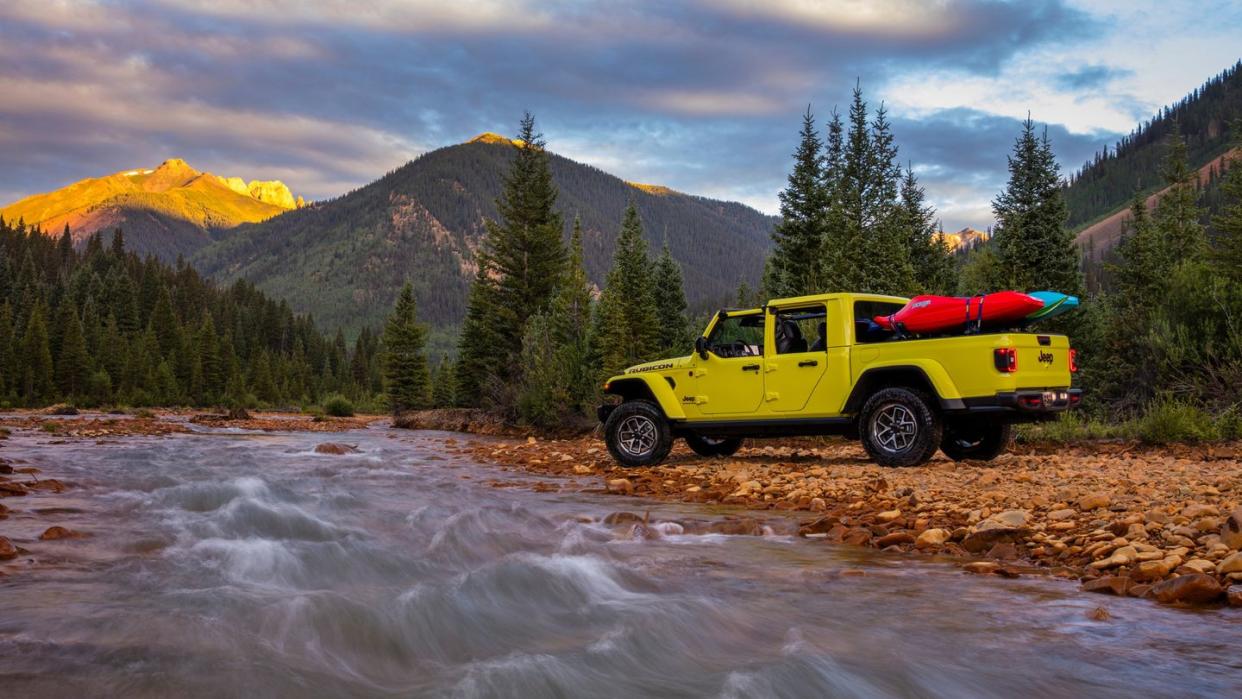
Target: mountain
(1099,193)
(965,239)
(345,259)
(171,210)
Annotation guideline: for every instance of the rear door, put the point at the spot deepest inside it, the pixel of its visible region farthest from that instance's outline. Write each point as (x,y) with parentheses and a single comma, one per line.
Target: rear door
(797,356)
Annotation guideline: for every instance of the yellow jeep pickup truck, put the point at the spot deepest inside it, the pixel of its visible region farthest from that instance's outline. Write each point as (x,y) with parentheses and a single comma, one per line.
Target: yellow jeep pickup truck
(817,365)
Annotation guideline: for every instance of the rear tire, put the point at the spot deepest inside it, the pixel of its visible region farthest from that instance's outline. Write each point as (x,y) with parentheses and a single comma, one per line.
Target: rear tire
(637,434)
(898,427)
(981,440)
(713,446)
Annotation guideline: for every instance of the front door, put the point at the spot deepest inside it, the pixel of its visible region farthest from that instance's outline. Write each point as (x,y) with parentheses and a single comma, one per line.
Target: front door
(798,357)
(729,380)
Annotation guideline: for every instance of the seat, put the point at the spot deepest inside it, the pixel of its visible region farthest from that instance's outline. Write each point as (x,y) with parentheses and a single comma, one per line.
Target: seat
(821,344)
(789,338)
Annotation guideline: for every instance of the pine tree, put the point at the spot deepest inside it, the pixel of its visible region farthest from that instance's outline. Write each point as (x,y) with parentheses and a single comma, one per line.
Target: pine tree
(443,386)
(212,368)
(406,381)
(570,324)
(1178,213)
(1228,254)
(626,316)
(1034,248)
(73,364)
(477,357)
(673,336)
(36,355)
(934,267)
(524,251)
(798,238)
(9,376)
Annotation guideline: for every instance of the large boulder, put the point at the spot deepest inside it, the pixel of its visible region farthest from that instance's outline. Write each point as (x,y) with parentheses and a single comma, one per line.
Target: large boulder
(1193,588)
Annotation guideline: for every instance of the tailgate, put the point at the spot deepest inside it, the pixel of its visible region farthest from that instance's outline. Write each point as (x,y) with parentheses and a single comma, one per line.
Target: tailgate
(1043,360)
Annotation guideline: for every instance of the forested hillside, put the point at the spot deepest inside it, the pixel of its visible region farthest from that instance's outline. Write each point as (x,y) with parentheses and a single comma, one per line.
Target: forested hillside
(1111,179)
(104,326)
(347,258)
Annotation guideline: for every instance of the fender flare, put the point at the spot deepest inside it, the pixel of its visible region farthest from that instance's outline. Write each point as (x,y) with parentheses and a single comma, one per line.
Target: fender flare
(925,375)
(651,387)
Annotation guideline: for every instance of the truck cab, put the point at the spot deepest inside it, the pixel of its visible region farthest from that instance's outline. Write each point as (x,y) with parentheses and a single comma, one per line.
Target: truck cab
(816,365)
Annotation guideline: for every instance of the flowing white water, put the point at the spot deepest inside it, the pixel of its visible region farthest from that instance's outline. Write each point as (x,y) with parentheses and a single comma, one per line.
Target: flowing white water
(247,565)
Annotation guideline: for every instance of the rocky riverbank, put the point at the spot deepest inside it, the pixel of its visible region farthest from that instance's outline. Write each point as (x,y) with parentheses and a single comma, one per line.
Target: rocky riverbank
(1164,524)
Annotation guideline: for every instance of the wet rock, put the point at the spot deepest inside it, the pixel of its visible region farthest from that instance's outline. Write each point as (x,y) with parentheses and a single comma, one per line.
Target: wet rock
(5,469)
(1231,530)
(10,489)
(1094,501)
(1231,564)
(894,539)
(888,515)
(984,539)
(1198,565)
(4,512)
(1004,551)
(582,470)
(48,484)
(1195,588)
(1109,585)
(1062,514)
(335,448)
(743,526)
(623,486)
(7,549)
(1234,597)
(981,567)
(931,538)
(617,518)
(858,536)
(818,505)
(1099,614)
(58,532)
(1139,590)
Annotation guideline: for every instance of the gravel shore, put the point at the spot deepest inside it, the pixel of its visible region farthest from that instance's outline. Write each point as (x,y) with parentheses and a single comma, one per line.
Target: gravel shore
(1125,520)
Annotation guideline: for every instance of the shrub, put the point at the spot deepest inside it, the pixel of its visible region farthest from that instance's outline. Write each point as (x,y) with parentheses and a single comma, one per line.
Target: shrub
(144,414)
(1229,423)
(50,427)
(1169,420)
(338,406)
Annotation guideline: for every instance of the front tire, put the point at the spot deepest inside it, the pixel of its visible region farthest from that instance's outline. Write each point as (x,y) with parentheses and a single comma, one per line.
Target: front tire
(637,434)
(713,446)
(981,440)
(899,427)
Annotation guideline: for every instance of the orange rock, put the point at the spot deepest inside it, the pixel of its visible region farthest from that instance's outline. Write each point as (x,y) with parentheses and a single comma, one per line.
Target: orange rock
(57,532)
(335,448)
(7,549)
(1194,588)
(1112,585)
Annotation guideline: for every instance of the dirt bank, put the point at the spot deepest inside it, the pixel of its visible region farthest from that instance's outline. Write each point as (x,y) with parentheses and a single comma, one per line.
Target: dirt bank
(1125,520)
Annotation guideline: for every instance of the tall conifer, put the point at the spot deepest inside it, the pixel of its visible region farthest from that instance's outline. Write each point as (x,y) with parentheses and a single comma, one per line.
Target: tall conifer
(793,268)
(406,380)
(625,317)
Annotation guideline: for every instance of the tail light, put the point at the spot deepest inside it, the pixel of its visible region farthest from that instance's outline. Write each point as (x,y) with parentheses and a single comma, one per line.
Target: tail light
(1006,359)
(1073,361)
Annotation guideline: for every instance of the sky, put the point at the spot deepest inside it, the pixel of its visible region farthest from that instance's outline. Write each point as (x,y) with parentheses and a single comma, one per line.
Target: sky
(703,96)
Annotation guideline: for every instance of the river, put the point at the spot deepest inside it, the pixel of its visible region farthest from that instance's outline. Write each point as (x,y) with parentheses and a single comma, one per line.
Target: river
(225,564)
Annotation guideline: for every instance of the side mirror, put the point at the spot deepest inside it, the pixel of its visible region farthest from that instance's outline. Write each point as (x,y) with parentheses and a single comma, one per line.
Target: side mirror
(700,346)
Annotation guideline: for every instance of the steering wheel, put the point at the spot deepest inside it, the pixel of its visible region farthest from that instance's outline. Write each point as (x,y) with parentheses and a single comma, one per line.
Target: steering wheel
(739,349)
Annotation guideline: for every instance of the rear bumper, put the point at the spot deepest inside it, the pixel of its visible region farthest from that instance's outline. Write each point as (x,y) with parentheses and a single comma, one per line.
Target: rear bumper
(1032,403)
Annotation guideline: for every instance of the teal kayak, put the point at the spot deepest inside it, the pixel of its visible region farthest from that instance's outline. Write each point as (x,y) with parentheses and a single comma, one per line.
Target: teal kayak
(1055,303)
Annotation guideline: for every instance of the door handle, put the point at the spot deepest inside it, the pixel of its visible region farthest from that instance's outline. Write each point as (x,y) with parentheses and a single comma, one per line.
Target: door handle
(750,367)
(809,362)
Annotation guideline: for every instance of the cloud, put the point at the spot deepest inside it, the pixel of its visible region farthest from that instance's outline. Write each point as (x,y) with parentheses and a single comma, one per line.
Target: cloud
(1088,77)
(703,96)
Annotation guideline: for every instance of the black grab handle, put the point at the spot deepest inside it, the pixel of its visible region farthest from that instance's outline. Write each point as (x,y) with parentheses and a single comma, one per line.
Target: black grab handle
(751,367)
(809,362)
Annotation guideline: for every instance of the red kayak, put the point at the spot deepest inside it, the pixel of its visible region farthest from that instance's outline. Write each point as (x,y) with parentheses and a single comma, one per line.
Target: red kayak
(931,314)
